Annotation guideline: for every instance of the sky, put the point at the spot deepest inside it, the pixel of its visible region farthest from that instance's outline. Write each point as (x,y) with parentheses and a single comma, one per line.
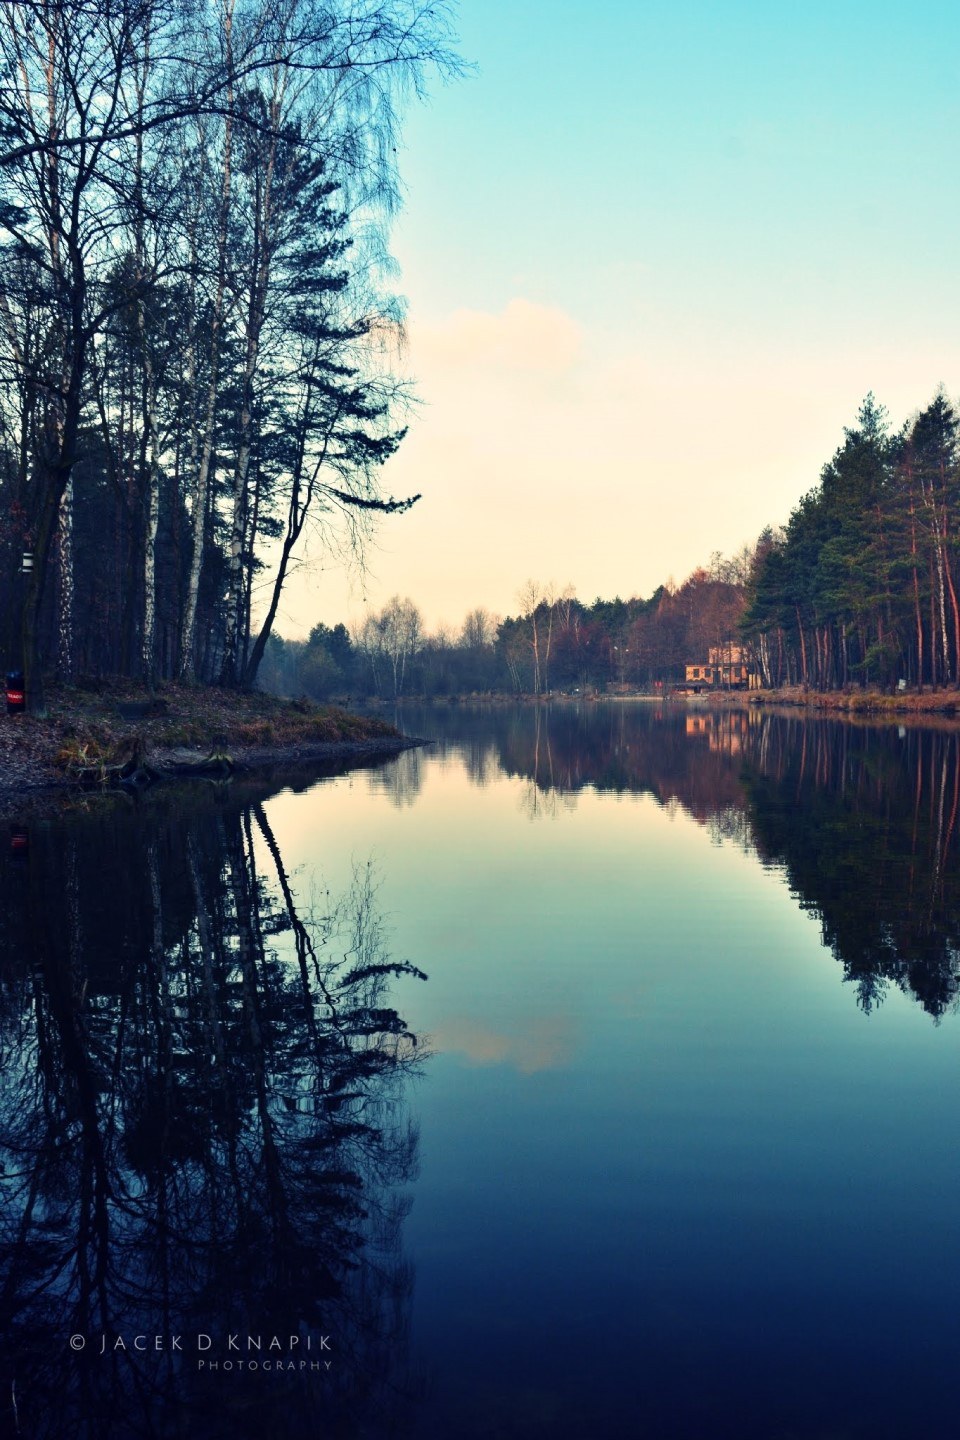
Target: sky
(655,255)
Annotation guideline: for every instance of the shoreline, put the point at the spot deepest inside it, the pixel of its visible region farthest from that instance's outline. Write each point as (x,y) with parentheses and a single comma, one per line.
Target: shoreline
(121,739)
(258,772)
(935,703)
(255,775)
(174,765)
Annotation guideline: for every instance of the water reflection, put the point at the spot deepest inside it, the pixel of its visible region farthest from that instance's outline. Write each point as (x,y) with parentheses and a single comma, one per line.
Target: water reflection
(402,780)
(202,1133)
(545,1042)
(865,824)
(863,820)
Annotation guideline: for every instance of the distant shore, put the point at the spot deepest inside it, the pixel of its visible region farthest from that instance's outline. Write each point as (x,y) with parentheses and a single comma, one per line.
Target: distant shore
(933,703)
(853,702)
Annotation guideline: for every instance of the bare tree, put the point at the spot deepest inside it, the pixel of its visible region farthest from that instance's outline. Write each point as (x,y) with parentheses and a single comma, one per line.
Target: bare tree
(401,626)
(479,629)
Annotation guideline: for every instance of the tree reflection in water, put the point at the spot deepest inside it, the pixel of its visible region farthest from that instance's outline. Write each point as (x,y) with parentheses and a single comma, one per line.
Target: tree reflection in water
(864,823)
(862,819)
(202,1130)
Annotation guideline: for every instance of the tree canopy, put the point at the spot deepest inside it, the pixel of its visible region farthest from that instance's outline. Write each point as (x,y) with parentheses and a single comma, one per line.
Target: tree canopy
(861,584)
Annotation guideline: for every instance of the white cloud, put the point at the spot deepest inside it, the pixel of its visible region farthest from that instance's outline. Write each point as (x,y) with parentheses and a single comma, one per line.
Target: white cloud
(523,336)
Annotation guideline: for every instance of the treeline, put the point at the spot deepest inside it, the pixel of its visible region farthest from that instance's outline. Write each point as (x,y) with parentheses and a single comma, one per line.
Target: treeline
(861,586)
(194,316)
(556,643)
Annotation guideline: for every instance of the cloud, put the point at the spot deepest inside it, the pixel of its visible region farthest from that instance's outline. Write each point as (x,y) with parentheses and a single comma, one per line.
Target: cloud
(546,1043)
(524,337)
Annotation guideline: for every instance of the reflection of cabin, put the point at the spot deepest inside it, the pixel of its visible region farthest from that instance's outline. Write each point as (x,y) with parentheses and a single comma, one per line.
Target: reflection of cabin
(725,732)
(728,667)
(699,724)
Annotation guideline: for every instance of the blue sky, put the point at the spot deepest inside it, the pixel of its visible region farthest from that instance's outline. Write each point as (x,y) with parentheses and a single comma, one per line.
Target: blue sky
(655,255)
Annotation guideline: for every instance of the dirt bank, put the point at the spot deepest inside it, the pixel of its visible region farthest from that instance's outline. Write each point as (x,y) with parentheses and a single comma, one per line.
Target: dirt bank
(118,734)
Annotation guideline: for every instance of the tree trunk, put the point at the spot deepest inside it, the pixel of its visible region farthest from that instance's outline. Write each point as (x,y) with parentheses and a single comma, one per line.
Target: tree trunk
(201,485)
(65,616)
(803,647)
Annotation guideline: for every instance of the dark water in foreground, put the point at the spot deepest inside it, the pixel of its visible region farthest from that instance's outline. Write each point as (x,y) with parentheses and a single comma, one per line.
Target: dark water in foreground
(666,1145)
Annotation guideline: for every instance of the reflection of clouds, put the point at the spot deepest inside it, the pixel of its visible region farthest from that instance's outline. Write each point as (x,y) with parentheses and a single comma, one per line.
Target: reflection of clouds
(546,1043)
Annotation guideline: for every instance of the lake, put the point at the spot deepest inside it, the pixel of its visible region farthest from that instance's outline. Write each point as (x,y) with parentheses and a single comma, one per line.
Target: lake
(591,1071)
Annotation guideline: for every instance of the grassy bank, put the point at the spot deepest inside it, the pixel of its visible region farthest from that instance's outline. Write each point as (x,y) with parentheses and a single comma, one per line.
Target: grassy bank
(852,702)
(88,733)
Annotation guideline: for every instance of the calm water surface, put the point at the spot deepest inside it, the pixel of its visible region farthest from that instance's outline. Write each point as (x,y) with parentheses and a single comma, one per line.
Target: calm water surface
(585,1073)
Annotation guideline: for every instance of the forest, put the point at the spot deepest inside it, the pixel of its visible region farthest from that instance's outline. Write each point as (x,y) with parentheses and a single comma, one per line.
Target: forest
(198,327)
(859,588)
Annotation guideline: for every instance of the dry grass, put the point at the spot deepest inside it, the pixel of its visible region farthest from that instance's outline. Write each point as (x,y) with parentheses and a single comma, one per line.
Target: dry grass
(930,702)
(85,727)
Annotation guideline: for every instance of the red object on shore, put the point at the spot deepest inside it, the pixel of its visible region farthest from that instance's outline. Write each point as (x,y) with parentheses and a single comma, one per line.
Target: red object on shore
(16,693)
